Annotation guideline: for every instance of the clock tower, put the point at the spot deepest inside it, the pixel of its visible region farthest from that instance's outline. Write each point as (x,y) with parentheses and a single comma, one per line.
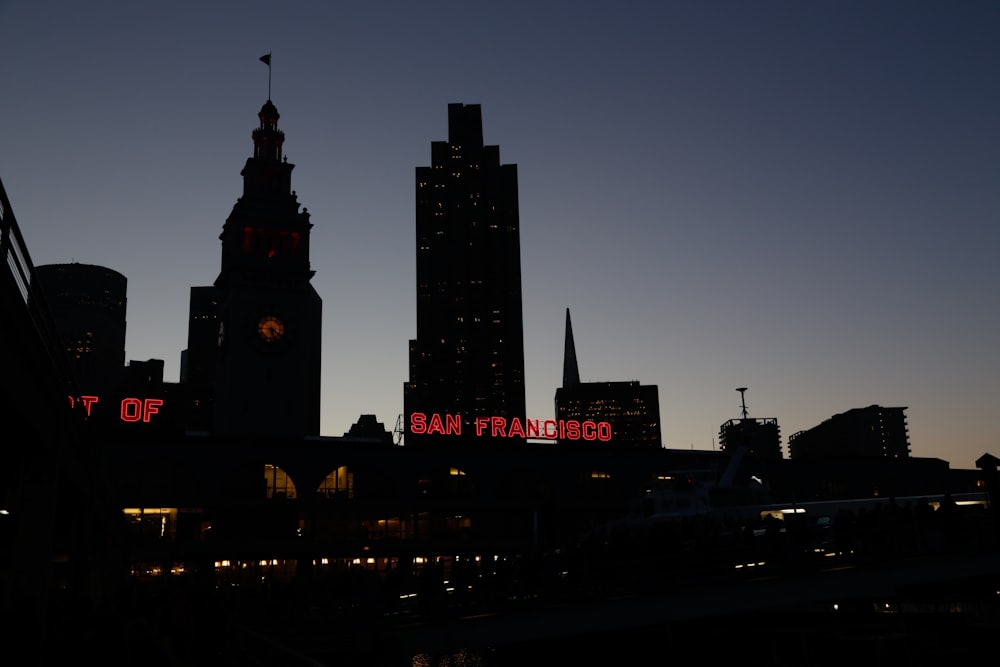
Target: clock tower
(267,379)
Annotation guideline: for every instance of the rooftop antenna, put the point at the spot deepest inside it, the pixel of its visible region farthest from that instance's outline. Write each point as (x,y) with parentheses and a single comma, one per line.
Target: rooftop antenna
(743,400)
(267,61)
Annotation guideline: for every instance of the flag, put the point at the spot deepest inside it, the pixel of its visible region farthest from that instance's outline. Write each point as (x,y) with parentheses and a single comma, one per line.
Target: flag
(266,59)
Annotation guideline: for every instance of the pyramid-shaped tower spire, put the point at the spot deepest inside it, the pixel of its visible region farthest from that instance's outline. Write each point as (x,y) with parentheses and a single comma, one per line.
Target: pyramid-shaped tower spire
(571,370)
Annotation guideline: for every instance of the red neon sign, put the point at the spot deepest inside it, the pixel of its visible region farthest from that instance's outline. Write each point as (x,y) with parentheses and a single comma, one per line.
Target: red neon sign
(131,409)
(501,427)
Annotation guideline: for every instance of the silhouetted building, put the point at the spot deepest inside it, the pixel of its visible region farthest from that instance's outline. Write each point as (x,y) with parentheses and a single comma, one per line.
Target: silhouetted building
(262,315)
(88,306)
(760,438)
(467,360)
(757,438)
(631,409)
(199,361)
(872,432)
(368,426)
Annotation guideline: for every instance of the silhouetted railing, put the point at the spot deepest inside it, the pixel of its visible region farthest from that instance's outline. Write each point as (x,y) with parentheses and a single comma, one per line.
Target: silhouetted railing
(20,282)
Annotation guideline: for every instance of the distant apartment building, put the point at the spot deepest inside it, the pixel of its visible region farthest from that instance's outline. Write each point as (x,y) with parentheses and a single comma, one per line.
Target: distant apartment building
(759,438)
(872,432)
(756,438)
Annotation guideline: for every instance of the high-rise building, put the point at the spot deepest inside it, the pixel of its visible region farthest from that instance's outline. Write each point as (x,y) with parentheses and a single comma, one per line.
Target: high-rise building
(872,432)
(88,306)
(263,316)
(467,360)
(631,409)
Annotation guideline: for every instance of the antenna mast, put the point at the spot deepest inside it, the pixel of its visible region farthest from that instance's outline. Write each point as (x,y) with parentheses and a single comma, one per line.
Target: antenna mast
(743,400)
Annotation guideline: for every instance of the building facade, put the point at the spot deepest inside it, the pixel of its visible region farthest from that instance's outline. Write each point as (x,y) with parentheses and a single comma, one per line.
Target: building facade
(467,360)
(872,432)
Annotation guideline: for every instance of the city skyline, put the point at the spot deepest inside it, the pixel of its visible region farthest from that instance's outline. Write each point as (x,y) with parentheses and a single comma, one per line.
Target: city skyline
(796,200)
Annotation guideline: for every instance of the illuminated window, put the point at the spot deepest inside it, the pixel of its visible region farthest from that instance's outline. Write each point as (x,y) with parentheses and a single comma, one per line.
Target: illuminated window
(340,481)
(153,522)
(278,483)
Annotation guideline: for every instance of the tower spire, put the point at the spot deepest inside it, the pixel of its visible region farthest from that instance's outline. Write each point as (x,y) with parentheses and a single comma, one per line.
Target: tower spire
(267,138)
(571,370)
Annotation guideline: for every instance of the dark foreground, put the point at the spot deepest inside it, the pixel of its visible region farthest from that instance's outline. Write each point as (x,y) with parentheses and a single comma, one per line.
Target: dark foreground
(891,599)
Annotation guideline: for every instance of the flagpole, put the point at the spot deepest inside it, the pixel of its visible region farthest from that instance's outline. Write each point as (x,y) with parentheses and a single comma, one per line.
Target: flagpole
(267,61)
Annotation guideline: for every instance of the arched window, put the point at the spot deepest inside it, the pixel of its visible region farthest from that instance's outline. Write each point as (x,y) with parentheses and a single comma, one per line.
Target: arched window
(278,483)
(339,483)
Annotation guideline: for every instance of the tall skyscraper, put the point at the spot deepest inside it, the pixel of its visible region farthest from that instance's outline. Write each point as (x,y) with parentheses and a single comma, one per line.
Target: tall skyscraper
(268,316)
(467,360)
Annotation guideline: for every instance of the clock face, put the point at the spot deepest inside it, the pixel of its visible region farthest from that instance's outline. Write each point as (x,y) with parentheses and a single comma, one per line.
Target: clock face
(270,329)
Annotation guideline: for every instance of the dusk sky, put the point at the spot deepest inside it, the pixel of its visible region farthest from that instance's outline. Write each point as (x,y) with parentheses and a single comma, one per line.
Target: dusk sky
(800,198)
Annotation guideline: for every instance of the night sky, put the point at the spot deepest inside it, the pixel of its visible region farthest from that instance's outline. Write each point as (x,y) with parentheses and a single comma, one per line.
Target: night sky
(800,198)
